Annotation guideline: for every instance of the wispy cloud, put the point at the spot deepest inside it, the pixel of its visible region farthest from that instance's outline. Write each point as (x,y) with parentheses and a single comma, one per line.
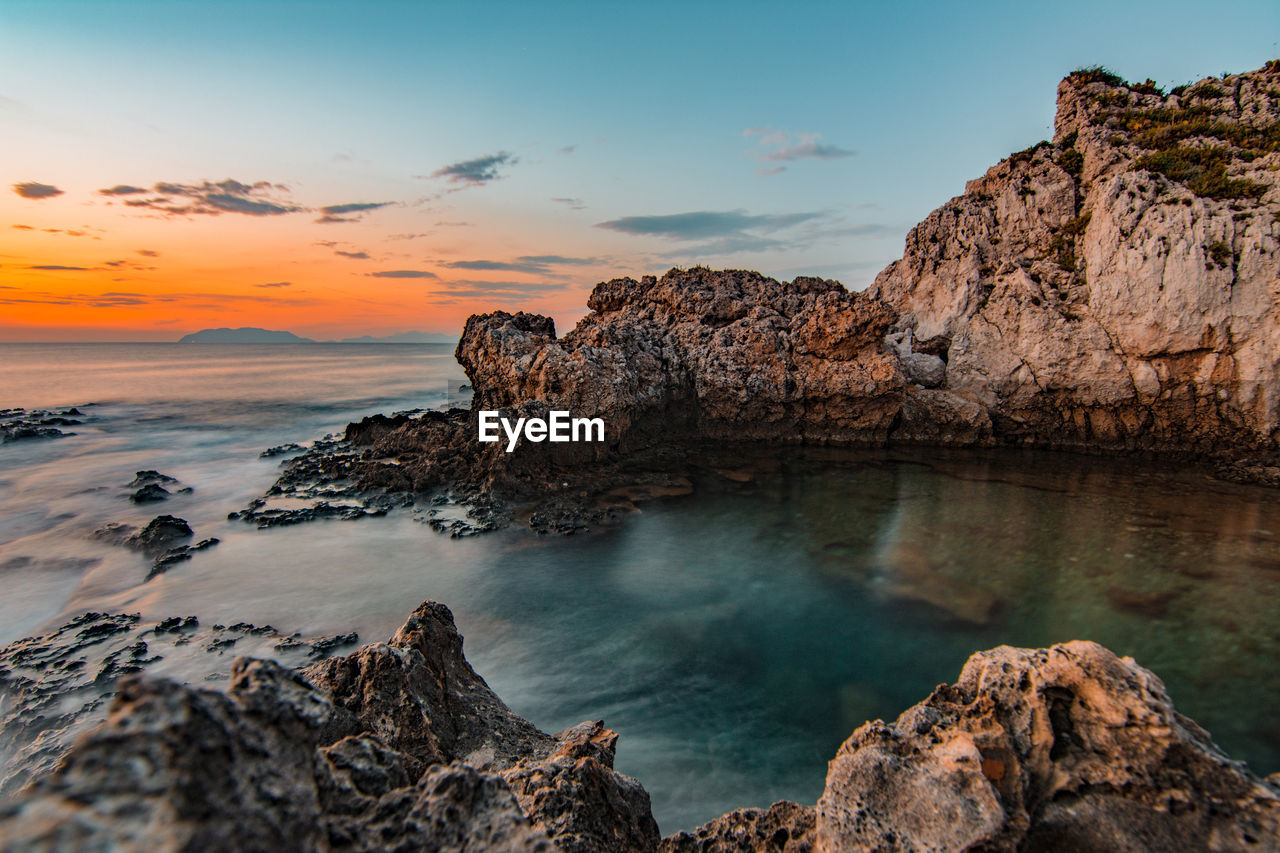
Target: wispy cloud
(705,224)
(58,268)
(475,172)
(709,232)
(148,253)
(780,146)
(34,190)
(210,198)
(499,266)
(276,284)
(402,274)
(122,189)
(355,256)
(118,299)
(340,212)
(571,203)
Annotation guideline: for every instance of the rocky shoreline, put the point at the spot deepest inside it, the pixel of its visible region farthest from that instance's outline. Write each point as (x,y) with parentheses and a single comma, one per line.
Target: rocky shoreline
(401,745)
(1112,290)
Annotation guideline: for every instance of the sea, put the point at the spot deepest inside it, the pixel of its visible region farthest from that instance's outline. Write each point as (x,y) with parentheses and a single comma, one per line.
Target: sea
(734,636)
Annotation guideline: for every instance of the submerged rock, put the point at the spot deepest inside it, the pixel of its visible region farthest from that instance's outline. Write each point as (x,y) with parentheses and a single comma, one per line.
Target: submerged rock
(401,745)
(24,424)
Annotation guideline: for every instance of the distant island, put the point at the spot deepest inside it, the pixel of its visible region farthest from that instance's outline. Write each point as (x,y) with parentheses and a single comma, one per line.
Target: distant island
(249,335)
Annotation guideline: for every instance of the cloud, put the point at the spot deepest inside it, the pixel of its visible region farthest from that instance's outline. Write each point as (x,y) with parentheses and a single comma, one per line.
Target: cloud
(116,299)
(560,260)
(402,274)
(148,253)
(31,189)
(122,189)
(357,256)
(706,224)
(59,267)
(571,203)
(209,198)
(499,266)
(495,291)
(276,284)
(780,146)
(337,212)
(354,207)
(475,172)
(23,227)
(567,149)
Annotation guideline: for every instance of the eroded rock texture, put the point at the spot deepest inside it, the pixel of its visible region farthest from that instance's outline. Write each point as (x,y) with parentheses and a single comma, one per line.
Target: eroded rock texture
(1066,748)
(1118,287)
(399,746)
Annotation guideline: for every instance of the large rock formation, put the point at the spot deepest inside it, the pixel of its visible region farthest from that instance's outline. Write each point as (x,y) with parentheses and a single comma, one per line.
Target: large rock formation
(1118,287)
(402,746)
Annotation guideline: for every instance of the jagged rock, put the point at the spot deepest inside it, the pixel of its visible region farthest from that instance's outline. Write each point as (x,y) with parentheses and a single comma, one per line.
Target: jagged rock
(161,533)
(151,477)
(1066,748)
(150,493)
(784,827)
(20,424)
(696,354)
(402,746)
(579,800)
(56,686)
(1115,288)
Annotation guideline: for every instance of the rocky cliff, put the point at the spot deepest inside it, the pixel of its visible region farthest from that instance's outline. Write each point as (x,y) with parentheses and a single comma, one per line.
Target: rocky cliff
(1115,289)
(1119,286)
(402,746)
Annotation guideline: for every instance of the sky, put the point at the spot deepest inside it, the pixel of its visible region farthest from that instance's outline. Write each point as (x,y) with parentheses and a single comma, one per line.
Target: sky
(342,169)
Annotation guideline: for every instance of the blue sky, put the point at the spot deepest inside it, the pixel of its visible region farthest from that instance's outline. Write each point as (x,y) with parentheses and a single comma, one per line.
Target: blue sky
(606,139)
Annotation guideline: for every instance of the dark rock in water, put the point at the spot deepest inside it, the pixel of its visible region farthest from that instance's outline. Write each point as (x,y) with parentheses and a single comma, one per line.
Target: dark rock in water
(400,745)
(161,533)
(149,477)
(1145,603)
(150,493)
(21,424)
(180,554)
(281,450)
(325,646)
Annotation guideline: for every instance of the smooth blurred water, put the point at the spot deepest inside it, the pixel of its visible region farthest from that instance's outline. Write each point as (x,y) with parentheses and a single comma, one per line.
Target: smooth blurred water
(734,637)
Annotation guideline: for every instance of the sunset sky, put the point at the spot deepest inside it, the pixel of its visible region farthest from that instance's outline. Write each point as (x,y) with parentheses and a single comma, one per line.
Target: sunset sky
(339,169)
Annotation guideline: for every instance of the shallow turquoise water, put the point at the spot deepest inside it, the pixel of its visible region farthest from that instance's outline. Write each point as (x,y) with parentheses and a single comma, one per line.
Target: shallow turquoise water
(734,636)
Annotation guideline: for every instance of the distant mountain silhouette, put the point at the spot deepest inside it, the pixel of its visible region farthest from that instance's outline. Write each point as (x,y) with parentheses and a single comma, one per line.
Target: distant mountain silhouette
(243,336)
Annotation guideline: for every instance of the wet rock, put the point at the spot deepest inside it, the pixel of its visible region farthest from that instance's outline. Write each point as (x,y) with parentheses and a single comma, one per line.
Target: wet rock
(151,478)
(150,493)
(281,450)
(24,424)
(161,533)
